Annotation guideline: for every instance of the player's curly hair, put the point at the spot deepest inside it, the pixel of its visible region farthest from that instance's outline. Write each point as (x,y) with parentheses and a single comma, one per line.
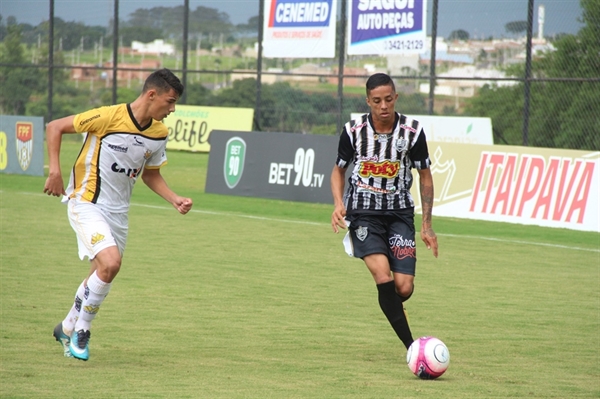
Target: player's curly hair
(163,80)
(379,79)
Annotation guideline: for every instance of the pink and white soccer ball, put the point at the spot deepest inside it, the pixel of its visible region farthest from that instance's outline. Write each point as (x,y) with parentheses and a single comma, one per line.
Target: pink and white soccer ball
(428,358)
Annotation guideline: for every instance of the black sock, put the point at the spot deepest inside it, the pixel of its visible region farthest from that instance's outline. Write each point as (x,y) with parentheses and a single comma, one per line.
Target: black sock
(391,304)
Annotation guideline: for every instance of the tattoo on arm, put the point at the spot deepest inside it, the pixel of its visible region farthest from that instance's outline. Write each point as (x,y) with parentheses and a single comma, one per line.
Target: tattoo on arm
(426,201)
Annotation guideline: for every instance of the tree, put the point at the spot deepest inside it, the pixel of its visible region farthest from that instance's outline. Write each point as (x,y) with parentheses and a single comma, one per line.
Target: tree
(197,94)
(250,28)
(18,83)
(569,109)
(459,35)
(3,31)
(144,34)
(70,35)
(516,27)
(202,20)
(563,114)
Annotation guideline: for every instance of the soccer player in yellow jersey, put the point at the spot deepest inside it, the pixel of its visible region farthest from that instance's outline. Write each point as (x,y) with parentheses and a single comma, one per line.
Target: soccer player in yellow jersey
(123,142)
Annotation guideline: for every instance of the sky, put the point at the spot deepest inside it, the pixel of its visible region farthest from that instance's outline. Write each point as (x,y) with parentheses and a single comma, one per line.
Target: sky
(480,18)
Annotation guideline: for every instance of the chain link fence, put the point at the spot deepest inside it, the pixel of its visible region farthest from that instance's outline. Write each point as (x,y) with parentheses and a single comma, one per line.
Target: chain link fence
(539,90)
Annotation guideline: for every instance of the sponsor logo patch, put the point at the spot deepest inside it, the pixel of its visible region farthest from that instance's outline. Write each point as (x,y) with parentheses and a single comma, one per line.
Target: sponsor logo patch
(118,148)
(96,238)
(385,169)
(359,126)
(91,309)
(365,188)
(83,122)
(402,248)
(409,128)
(382,138)
(133,173)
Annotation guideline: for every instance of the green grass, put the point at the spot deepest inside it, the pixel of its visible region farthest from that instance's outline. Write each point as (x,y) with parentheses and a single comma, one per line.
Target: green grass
(254,298)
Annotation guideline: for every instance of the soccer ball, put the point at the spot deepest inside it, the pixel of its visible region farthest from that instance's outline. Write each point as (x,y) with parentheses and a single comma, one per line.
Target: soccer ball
(428,358)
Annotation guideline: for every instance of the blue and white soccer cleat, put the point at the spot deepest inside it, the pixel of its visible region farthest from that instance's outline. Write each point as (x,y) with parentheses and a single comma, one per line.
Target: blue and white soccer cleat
(79,345)
(64,339)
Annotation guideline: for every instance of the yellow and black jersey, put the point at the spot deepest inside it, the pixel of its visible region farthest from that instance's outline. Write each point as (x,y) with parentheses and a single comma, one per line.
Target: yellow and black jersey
(114,153)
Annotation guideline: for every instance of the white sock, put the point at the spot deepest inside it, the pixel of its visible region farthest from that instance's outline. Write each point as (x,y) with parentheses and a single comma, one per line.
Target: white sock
(98,290)
(69,321)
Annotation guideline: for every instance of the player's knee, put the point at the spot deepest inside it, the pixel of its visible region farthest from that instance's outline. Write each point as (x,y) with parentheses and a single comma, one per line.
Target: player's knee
(404,290)
(108,268)
(113,267)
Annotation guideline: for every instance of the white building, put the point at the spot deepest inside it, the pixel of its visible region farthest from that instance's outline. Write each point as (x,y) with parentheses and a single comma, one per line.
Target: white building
(156,47)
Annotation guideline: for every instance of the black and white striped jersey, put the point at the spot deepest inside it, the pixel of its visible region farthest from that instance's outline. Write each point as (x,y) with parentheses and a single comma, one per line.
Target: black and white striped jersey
(381,177)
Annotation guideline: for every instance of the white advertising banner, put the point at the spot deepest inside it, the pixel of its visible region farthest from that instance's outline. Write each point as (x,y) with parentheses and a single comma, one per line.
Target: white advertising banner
(454,129)
(525,185)
(386,27)
(299,28)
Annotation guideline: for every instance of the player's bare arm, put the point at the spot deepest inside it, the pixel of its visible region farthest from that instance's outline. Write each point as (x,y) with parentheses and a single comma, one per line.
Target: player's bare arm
(54,130)
(426,188)
(337,189)
(154,180)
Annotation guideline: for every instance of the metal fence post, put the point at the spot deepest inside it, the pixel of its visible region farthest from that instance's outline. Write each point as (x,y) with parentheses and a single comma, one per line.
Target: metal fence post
(115,51)
(50,60)
(261,16)
(527,73)
(341,61)
(186,18)
(434,19)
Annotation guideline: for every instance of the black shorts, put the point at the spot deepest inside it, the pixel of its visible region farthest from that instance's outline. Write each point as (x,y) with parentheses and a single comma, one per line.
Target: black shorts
(391,235)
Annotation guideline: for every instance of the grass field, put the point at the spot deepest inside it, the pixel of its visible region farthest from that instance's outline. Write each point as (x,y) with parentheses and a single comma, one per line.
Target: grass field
(254,298)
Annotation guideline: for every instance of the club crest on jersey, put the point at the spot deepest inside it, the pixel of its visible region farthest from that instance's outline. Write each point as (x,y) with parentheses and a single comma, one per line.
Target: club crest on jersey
(147,154)
(361,233)
(401,145)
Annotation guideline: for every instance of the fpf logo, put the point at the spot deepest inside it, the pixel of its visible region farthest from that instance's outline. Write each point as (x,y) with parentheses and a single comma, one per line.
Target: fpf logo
(386,169)
(299,14)
(24,131)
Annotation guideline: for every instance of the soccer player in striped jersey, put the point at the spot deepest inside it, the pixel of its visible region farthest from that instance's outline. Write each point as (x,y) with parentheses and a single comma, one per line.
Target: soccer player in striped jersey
(123,142)
(383,146)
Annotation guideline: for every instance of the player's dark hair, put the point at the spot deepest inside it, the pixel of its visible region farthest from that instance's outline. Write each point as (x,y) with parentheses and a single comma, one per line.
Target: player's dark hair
(379,79)
(163,80)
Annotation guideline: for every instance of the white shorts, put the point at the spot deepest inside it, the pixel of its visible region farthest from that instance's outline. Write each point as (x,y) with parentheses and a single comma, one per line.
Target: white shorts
(96,229)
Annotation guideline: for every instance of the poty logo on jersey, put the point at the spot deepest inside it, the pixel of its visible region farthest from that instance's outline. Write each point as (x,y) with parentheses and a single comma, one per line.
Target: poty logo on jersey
(385,169)
(299,14)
